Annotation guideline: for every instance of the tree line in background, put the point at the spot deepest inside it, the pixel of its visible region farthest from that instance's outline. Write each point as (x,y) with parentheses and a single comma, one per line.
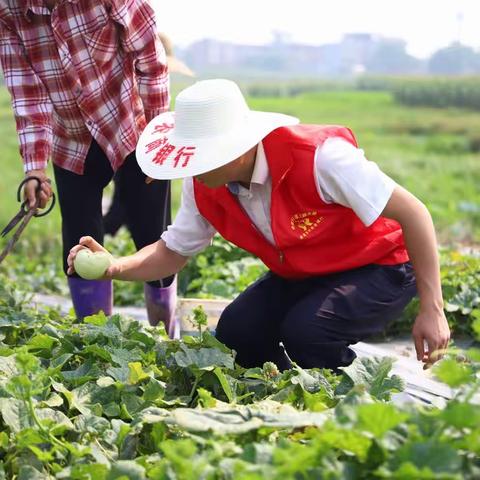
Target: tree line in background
(431,91)
(438,92)
(456,59)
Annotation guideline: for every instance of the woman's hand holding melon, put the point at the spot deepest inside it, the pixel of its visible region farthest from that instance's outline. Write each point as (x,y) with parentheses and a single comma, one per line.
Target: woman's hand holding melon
(90,260)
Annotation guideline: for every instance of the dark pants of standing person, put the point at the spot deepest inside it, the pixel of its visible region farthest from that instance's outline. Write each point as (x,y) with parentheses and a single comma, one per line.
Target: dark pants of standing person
(146,207)
(115,218)
(317,318)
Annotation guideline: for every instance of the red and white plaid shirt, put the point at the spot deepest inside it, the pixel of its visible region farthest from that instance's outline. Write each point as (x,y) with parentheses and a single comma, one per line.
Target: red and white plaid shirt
(89,68)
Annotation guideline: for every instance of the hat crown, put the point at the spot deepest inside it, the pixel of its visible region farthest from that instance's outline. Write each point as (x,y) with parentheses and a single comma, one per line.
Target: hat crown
(209,108)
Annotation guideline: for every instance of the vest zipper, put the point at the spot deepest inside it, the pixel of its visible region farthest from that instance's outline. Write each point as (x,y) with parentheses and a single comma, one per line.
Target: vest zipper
(281,256)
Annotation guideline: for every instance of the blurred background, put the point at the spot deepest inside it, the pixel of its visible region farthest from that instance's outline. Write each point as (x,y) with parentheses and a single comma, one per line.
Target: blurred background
(331,40)
(405,76)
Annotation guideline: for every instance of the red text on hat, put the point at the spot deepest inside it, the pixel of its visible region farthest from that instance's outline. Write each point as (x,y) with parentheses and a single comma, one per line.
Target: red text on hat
(163,128)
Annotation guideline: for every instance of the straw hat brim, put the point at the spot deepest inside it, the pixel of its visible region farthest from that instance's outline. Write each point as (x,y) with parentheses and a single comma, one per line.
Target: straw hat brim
(177,66)
(210,152)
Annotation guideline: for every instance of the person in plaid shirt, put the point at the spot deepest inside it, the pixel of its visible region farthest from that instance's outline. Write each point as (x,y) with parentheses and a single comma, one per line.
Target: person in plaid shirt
(85,76)
(115,217)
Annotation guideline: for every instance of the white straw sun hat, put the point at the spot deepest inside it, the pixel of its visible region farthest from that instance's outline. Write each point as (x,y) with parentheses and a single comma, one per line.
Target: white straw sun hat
(212,126)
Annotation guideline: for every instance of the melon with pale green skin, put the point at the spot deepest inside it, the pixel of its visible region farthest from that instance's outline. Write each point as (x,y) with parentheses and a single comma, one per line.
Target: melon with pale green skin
(91,265)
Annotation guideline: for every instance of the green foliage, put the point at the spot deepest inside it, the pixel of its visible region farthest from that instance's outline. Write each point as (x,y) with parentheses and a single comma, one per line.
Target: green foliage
(374,83)
(199,319)
(460,276)
(439,92)
(291,88)
(222,271)
(113,399)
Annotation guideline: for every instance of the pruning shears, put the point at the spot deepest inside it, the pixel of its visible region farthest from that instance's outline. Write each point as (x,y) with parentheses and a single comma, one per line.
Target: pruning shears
(23,216)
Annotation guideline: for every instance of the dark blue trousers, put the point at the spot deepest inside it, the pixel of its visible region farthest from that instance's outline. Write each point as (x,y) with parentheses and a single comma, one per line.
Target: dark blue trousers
(316,319)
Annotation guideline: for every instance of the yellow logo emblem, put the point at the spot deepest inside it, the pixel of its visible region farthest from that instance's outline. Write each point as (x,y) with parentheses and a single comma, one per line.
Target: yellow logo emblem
(305,223)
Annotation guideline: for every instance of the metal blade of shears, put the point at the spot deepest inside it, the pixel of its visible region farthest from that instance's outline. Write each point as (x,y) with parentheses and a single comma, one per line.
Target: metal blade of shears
(17,234)
(13,222)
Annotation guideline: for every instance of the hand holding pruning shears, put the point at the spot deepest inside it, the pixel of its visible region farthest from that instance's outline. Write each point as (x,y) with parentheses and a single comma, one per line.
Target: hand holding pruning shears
(35,191)
(40,189)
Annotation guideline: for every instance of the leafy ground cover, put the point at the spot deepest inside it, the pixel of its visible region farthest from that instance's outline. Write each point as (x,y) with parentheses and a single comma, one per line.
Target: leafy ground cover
(112,399)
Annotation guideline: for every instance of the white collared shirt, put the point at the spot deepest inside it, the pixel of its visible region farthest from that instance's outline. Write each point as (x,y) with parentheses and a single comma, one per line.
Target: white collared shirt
(343,175)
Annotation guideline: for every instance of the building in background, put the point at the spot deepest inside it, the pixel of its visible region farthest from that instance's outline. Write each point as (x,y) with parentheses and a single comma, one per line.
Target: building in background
(356,53)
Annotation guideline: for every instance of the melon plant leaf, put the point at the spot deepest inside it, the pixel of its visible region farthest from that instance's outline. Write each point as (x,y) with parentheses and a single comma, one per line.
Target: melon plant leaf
(461,415)
(373,374)
(436,456)
(15,414)
(379,418)
(452,372)
(203,358)
(126,470)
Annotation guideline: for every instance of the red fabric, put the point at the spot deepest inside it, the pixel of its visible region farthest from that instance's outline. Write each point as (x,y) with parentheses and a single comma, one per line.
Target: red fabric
(311,237)
(89,68)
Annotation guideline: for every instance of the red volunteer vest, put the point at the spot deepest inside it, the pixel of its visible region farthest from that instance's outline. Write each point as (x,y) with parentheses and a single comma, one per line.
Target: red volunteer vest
(311,237)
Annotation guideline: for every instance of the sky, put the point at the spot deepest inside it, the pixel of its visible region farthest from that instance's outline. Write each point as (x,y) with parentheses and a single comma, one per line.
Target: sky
(425,25)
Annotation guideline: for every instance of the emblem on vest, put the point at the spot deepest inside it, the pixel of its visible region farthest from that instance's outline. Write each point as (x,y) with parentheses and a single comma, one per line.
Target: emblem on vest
(304,223)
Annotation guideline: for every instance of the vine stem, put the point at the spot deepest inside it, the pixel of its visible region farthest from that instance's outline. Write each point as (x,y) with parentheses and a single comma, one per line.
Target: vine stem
(37,421)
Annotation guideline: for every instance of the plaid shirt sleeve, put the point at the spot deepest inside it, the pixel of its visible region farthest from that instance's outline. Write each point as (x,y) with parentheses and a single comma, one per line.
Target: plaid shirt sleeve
(31,104)
(140,36)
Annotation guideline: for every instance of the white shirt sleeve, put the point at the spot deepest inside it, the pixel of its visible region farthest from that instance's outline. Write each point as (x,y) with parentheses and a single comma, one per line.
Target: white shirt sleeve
(190,232)
(346,177)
